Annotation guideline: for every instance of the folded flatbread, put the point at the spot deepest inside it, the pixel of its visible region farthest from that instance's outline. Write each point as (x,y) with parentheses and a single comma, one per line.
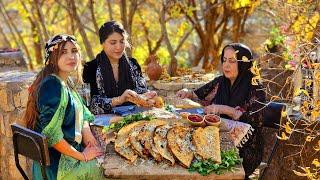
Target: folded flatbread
(122,145)
(207,143)
(161,143)
(134,139)
(182,103)
(179,143)
(145,138)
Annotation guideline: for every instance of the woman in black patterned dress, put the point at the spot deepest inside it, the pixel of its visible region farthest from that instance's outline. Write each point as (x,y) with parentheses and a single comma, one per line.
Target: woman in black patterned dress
(113,77)
(233,96)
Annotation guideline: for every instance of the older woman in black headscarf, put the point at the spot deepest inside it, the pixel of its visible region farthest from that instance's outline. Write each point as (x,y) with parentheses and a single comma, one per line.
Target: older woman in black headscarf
(233,96)
(113,77)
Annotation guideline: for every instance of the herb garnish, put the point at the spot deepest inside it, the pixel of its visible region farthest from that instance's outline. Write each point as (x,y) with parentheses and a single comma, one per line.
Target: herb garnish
(204,167)
(125,121)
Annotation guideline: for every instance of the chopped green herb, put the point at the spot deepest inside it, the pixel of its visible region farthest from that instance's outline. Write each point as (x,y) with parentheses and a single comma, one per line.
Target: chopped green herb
(125,121)
(204,167)
(170,108)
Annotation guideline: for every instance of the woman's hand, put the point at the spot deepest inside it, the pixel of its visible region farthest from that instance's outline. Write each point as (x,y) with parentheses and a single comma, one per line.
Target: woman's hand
(150,94)
(91,151)
(213,109)
(88,138)
(127,94)
(184,93)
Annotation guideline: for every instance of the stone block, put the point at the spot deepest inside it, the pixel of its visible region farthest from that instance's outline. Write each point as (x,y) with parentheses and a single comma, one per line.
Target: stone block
(162,93)
(170,93)
(6,124)
(16,116)
(6,101)
(191,86)
(2,127)
(13,170)
(20,97)
(3,168)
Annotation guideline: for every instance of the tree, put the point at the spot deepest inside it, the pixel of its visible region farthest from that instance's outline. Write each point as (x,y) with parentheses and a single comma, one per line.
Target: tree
(211,20)
(74,14)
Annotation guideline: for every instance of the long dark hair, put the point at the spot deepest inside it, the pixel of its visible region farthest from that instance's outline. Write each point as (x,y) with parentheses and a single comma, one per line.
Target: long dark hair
(51,67)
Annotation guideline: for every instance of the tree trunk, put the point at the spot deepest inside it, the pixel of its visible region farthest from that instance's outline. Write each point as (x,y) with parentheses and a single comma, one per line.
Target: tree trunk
(35,21)
(12,25)
(6,40)
(36,43)
(110,10)
(81,29)
(41,19)
(123,11)
(173,63)
(93,17)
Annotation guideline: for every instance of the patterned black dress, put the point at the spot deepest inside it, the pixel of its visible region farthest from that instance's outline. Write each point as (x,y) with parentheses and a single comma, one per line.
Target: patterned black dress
(98,73)
(252,150)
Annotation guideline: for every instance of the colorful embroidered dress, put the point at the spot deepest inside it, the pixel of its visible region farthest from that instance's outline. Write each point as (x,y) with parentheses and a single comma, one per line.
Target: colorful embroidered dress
(61,116)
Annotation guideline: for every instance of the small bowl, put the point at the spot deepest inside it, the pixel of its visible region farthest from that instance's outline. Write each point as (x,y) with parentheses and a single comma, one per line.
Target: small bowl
(212,120)
(184,115)
(196,120)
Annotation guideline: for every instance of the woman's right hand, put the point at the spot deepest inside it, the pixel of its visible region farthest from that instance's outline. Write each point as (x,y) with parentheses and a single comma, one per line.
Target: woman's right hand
(184,93)
(91,151)
(127,94)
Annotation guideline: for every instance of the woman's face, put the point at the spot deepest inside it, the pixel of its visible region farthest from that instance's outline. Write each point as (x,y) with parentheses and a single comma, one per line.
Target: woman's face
(114,46)
(230,64)
(69,59)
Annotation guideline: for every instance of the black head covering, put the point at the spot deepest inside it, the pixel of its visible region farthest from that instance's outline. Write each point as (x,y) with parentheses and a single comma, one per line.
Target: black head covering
(110,27)
(111,87)
(237,94)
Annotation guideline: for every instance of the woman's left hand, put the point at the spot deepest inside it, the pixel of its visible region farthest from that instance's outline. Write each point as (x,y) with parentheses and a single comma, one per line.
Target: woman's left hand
(88,138)
(213,109)
(150,94)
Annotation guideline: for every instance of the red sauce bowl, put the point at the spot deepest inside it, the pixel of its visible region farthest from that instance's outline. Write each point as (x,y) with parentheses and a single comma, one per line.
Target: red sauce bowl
(196,119)
(212,120)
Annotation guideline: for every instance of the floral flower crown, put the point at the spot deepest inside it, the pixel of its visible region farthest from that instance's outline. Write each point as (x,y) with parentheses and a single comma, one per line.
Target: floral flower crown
(53,43)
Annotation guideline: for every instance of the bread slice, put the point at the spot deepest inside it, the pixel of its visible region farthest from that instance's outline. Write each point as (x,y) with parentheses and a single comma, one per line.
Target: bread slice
(207,143)
(182,103)
(145,138)
(122,145)
(179,143)
(139,100)
(134,139)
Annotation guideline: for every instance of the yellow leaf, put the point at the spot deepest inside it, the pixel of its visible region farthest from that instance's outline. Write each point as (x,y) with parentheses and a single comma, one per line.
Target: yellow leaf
(245,59)
(317,148)
(309,138)
(288,129)
(308,83)
(284,113)
(316,163)
(283,136)
(255,80)
(299,173)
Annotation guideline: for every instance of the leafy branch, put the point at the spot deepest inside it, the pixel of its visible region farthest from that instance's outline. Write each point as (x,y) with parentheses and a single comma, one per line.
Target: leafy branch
(204,167)
(125,121)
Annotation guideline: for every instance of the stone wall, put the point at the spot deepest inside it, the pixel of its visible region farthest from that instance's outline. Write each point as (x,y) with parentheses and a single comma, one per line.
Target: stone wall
(12,60)
(170,88)
(13,99)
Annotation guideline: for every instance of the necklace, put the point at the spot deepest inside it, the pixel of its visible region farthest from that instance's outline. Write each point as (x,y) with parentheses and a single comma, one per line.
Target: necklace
(115,65)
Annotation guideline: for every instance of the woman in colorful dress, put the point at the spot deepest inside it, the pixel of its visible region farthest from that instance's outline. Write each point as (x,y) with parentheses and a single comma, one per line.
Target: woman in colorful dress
(233,96)
(56,110)
(113,77)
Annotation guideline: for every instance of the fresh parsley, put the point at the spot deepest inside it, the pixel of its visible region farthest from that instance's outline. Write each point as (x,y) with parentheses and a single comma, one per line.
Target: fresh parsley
(170,108)
(126,120)
(204,167)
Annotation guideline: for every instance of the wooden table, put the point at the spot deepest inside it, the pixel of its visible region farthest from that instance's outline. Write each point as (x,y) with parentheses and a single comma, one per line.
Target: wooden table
(116,167)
